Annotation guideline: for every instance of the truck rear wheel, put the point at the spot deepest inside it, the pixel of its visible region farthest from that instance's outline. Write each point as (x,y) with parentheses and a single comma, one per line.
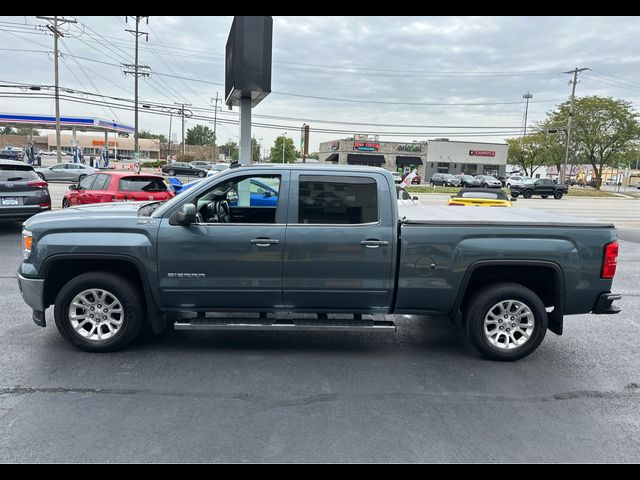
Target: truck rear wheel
(527,194)
(99,311)
(558,194)
(505,321)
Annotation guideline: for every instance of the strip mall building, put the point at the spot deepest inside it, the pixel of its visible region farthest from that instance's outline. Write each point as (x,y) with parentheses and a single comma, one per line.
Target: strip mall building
(434,156)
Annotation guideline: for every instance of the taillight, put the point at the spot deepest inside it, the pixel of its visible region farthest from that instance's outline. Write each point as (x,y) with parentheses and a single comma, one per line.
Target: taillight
(38,184)
(610,260)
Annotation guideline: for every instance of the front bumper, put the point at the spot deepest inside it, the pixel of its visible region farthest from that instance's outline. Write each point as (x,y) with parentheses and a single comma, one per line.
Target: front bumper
(605,306)
(32,290)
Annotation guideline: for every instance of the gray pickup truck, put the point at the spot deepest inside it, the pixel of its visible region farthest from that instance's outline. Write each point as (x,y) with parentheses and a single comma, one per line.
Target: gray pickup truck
(329,241)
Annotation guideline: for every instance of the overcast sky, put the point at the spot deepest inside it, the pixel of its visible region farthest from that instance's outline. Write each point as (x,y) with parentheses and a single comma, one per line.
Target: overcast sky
(429,74)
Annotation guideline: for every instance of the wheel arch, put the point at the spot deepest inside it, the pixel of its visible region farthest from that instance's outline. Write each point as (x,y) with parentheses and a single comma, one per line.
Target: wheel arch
(545,278)
(57,270)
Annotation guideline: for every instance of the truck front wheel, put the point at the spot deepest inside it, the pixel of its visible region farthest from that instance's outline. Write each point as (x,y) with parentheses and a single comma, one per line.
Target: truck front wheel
(505,321)
(99,311)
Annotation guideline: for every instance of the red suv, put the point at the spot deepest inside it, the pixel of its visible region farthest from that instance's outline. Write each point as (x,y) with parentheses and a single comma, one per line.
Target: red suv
(117,187)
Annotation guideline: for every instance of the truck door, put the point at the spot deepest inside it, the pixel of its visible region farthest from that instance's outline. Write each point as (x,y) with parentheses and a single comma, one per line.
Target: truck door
(231,258)
(341,241)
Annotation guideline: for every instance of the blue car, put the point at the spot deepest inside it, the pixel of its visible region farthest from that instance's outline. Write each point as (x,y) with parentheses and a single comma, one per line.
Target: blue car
(262,195)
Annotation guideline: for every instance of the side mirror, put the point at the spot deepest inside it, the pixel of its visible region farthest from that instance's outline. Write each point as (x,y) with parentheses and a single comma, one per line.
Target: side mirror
(73,187)
(513,199)
(267,194)
(415,198)
(186,215)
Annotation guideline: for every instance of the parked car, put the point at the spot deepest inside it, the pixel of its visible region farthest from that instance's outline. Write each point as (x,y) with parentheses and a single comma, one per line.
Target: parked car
(417,180)
(488,181)
(181,168)
(219,167)
(69,172)
(105,187)
(542,187)
(201,164)
(476,197)
(178,187)
(397,178)
(518,180)
(22,192)
(444,180)
(336,243)
(405,198)
(468,181)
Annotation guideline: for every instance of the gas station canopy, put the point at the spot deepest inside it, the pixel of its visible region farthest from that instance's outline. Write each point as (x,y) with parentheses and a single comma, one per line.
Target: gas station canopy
(68,123)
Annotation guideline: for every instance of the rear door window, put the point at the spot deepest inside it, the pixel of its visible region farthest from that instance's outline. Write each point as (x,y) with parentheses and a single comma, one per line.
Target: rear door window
(87,182)
(337,200)
(101,183)
(141,184)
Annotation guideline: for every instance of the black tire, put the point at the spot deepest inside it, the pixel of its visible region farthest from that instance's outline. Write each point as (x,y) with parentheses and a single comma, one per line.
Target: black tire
(527,194)
(126,292)
(41,175)
(481,304)
(485,185)
(558,194)
(172,173)
(544,196)
(201,174)
(515,195)
(65,203)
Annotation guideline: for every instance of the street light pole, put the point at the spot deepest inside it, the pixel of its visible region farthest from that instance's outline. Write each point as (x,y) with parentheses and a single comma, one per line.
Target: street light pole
(284,141)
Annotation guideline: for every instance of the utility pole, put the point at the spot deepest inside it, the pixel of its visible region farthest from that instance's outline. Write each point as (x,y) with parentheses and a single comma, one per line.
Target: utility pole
(54,23)
(182,105)
(215,118)
(137,71)
(573,83)
(527,96)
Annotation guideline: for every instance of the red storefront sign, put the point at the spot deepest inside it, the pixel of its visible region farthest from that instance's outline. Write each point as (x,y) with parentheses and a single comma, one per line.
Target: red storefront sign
(366,146)
(482,153)
(100,143)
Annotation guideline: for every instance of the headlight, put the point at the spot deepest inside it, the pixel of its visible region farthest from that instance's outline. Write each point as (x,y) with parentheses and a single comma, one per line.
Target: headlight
(27,243)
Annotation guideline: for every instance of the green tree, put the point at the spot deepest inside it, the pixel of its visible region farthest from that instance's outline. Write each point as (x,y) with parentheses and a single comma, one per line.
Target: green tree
(527,152)
(27,131)
(603,128)
(153,136)
(255,150)
(199,135)
(290,154)
(7,131)
(230,150)
(552,144)
(314,155)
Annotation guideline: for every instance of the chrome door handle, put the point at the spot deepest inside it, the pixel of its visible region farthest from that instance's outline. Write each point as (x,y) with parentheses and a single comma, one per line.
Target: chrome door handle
(264,242)
(374,243)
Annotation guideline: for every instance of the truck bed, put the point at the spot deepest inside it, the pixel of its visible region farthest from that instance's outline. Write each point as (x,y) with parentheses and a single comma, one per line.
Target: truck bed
(513,217)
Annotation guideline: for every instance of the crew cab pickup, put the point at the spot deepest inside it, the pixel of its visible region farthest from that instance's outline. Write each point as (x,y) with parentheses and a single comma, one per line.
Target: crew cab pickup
(543,187)
(330,243)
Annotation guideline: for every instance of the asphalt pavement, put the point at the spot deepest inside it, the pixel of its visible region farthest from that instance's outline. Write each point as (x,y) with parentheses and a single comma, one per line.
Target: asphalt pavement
(420,395)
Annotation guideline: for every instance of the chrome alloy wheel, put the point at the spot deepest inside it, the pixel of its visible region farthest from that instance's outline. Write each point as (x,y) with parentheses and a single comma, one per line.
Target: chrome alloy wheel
(509,324)
(96,314)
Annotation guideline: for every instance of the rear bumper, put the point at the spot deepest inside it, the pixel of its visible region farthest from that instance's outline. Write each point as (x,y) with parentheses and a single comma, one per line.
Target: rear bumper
(21,212)
(604,305)
(32,290)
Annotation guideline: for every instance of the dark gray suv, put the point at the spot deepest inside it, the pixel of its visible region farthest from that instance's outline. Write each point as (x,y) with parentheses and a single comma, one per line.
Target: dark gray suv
(445,180)
(22,192)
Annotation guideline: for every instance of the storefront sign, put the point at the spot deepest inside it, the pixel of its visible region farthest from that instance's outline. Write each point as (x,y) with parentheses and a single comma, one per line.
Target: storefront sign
(482,153)
(101,142)
(366,146)
(411,147)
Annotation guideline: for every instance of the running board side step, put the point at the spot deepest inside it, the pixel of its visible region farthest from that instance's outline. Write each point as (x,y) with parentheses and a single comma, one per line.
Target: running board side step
(308,325)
